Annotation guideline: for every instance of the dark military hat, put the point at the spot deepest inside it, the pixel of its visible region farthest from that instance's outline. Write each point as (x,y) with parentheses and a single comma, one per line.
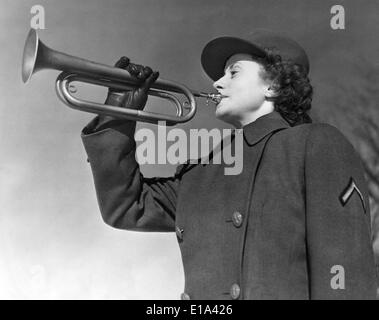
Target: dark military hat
(219,50)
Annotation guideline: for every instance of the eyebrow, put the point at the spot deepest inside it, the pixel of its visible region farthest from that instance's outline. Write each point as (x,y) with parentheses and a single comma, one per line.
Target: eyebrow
(233,65)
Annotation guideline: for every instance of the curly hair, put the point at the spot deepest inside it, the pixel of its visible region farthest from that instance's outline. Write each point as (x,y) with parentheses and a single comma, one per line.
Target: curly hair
(293,91)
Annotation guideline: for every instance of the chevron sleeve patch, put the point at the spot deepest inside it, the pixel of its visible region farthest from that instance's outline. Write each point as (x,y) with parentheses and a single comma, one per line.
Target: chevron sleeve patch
(348,192)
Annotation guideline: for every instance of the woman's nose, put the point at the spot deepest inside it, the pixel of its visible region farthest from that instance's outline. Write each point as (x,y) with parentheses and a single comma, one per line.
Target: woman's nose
(219,84)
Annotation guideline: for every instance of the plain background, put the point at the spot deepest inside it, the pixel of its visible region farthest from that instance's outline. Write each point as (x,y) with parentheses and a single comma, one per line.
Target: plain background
(53,243)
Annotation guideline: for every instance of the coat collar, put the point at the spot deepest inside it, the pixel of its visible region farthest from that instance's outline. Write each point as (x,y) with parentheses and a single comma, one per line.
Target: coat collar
(264,125)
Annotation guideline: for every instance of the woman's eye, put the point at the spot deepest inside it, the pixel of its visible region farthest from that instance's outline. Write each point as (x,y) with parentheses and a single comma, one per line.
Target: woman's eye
(233,73)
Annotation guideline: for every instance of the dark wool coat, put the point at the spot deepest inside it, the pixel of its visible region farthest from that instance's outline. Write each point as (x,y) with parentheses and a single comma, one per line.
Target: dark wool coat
(294,224)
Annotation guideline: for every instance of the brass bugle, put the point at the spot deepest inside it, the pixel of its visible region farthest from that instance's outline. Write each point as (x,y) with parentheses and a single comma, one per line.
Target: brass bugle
(37,56)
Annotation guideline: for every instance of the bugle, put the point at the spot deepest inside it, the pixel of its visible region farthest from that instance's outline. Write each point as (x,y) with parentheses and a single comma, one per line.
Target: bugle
(37,56)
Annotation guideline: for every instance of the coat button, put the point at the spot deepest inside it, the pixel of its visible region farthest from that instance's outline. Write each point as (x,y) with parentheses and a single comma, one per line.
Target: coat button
(235,291)
(179,233)
(237,219)
(185,296)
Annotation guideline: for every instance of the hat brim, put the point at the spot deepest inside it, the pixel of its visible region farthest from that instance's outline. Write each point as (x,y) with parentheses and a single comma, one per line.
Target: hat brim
(219,50)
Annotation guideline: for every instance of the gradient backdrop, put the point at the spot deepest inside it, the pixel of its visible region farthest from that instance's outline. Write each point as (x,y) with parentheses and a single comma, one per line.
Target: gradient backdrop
(53,243)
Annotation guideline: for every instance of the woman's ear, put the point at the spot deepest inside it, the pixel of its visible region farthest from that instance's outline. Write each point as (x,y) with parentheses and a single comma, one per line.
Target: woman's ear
(269,93)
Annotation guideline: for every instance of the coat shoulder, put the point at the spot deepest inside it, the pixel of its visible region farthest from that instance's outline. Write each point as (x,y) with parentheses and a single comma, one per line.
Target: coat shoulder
(315,129)
(315,139)
(313,134)
(323,135)
(327,143)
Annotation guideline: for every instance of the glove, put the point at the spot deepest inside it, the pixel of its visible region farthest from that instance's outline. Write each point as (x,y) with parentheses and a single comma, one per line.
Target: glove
(135,98)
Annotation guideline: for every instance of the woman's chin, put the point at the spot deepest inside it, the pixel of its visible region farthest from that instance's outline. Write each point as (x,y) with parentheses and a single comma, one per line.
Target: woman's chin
(221,109)
(223,115)
(219,113)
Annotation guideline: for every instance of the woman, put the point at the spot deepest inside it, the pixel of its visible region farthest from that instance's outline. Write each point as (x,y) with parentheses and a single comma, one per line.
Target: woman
(293,225)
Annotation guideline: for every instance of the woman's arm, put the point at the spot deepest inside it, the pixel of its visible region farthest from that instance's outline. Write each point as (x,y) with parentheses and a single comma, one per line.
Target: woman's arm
(339,247)
(126,199)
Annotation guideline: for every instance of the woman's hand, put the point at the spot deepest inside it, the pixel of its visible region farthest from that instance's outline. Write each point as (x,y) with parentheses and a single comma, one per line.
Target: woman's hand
(135,98)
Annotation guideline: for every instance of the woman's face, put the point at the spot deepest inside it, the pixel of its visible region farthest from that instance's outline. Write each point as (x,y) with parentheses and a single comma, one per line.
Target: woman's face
(243,89)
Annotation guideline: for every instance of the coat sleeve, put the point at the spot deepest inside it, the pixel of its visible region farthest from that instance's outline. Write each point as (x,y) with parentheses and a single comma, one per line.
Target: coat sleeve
(338,237)
(126,199)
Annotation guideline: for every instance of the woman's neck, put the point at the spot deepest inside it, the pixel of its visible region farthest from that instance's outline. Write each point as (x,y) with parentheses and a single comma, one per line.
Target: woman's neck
(266,108)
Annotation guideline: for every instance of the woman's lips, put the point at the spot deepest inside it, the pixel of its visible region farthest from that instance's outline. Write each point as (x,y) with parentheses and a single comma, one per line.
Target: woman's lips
(220,98)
